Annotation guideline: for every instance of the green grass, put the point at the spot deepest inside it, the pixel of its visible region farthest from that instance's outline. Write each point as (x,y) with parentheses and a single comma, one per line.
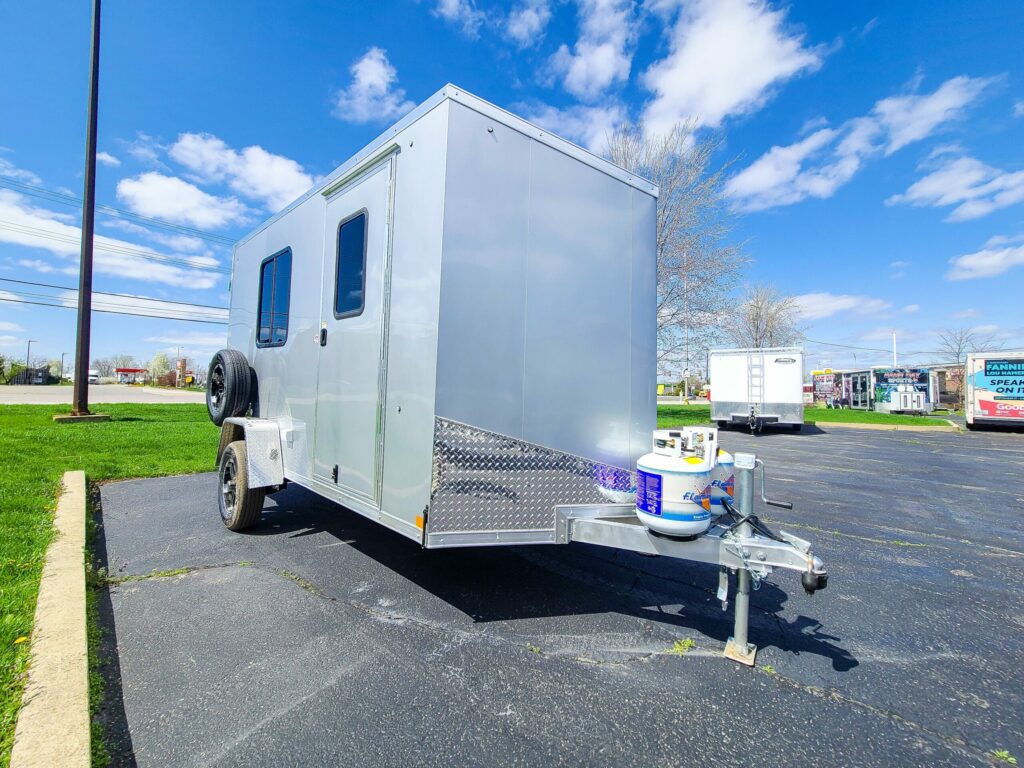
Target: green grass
(693,415)
(138,441)
(683,415)
(849,416)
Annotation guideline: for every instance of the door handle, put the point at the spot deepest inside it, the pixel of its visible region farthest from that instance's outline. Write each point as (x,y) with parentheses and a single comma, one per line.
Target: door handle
(323,337)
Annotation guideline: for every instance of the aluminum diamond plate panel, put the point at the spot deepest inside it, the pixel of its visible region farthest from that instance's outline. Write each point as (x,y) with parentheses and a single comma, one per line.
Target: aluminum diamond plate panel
(263,448)
(486,482)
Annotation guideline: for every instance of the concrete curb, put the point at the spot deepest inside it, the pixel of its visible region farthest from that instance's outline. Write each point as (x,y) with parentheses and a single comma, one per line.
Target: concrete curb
(885,427)
(53,725)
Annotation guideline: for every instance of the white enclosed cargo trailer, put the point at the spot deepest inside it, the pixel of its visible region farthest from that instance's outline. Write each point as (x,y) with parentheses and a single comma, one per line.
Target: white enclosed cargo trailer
(404,340)
(757,386)
(994,391)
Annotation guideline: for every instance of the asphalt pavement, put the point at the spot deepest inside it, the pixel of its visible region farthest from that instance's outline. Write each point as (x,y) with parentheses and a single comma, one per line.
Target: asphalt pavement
(55,394)
(320,638)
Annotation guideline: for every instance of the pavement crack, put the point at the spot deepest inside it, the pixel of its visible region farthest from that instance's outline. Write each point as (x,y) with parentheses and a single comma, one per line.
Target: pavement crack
(102,579)
(955,743)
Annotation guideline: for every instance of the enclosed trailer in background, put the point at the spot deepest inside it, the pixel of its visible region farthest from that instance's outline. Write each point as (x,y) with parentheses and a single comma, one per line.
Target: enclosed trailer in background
(995,388)
(757,386)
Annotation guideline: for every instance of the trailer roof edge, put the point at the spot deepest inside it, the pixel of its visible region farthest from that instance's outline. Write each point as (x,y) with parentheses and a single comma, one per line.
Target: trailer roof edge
(492,111)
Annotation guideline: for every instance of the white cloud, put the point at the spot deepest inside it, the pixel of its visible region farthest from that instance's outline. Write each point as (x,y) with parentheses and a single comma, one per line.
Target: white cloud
(589,126)
(821,163)
(6,326)
(912,117)
(1003,240)
(974,188)
(372,95)
(176,242)
(143,305)
(192,340)
(461,13)
(173,199)
(816,306)
(105,158)
(911,308)
(1018,108)
(898,269)
(601,56)
(966,313)
(987,262)
(10,171)
(725,57)
(27,225)
(9,341)
(145,149)
(254,172)
(527,21)
(38,265)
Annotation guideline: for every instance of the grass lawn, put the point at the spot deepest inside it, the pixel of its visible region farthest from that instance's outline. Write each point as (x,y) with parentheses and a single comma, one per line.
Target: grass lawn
(139,441)
(692,415)
(849,416)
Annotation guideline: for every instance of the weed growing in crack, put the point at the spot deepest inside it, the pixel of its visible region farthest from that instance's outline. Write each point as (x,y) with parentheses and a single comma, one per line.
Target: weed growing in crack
(680,647)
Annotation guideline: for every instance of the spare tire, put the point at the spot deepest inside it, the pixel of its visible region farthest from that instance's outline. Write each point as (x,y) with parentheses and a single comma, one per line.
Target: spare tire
(228,386)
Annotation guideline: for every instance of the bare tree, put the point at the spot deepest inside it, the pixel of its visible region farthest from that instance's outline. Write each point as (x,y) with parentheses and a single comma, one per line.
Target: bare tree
(123,361)
(764,318)
(955,344)
(103,366)
(696,269)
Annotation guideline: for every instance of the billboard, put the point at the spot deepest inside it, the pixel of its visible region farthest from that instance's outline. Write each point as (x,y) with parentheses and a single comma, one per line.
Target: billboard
(998,388)
(888,380)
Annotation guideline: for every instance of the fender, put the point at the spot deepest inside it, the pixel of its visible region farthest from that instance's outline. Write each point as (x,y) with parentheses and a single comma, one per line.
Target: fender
(265,461)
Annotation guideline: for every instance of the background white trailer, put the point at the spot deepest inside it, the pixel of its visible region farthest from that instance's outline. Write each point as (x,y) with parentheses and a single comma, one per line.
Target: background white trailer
(433,391)
(994,388)
(757,386)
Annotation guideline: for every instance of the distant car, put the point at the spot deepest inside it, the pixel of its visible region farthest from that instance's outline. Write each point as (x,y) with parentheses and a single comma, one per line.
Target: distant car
(94,377)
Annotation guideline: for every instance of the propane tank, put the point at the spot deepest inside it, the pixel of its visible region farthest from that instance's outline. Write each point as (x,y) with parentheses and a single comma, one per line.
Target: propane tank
(673,494)
(723,482)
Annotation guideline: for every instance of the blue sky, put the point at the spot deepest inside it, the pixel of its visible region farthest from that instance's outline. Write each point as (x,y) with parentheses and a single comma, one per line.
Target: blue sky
(877,171)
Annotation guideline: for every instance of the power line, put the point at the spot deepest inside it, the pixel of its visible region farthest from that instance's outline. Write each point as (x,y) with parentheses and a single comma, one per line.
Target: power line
(95,308)
(60,197)
(864,349)
(116,249)
(109,293)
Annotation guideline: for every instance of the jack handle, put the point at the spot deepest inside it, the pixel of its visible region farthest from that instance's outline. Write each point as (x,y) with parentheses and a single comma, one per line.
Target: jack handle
(764,498)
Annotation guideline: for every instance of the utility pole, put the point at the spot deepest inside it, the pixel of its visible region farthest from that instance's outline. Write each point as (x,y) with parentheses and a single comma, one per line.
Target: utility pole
(80,397)
(686,328)
(894,349)
(28,354)
(62,354)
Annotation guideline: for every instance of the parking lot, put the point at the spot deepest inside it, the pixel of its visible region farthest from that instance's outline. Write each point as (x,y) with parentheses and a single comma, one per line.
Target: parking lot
(321,638)
(98,393)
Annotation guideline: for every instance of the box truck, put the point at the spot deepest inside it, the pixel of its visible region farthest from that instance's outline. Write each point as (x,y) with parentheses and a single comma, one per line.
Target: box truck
(994,391)
(403,339)
(757,386)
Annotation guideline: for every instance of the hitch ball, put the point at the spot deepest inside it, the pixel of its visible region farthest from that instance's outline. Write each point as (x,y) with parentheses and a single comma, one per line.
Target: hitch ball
(812,582)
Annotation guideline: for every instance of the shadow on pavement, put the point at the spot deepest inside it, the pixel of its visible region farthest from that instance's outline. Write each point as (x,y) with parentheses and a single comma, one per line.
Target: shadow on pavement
(111,713)
(494,584)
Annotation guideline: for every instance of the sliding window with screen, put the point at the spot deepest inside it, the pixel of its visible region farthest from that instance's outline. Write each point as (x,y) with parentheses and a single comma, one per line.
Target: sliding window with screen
(275,287)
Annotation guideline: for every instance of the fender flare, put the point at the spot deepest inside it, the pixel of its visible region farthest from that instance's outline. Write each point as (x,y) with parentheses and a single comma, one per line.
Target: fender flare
(264,458)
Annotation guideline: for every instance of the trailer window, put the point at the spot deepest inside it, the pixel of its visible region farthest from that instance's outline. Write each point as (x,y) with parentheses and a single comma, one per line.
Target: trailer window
(351,269)
(275,289)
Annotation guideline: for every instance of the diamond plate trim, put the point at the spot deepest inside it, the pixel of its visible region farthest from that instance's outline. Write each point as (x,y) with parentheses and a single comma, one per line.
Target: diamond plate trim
(484,481)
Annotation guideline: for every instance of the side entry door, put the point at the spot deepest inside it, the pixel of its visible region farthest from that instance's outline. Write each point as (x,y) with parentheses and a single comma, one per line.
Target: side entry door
(352,364)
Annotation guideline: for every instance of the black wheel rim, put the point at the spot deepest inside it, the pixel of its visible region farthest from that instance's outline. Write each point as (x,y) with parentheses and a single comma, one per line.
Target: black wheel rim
(217,385)
(228,486)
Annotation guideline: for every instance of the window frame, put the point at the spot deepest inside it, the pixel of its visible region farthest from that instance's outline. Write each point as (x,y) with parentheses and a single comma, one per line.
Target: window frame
(337,265)
(273,295)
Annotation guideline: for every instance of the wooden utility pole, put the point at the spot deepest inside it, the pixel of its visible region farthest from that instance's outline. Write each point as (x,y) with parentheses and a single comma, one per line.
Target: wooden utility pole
(80,398)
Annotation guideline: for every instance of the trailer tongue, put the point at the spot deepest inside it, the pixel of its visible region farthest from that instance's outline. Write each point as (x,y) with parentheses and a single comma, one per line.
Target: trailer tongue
(738,542)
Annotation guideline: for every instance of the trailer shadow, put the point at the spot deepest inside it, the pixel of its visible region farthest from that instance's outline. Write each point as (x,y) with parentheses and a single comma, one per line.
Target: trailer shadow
(504,584)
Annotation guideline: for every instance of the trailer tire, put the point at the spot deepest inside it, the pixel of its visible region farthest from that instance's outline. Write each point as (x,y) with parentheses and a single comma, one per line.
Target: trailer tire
(797,427)
(228,386)
(240,506)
